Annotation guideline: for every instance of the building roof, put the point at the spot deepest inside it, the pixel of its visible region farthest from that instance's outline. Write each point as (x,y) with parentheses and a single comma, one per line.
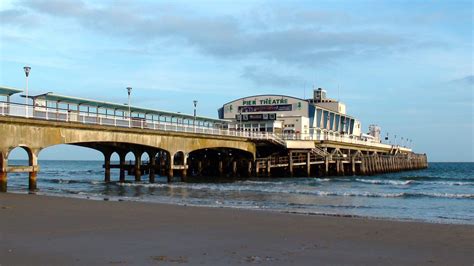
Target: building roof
(50,96)
(8,90)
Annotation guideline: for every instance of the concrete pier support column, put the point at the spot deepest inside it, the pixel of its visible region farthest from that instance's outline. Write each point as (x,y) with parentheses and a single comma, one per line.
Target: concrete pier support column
(151,174)
(234,168)
(3,170)
(170,169)
(369,165)
(326,166)
(221,168)
(138,163)
(308,164)
(290,163)
(107,166)
(362,166)
(33,161)
(184,173)
(353,166)
(269,168)
(257,168)
(122,166)
(249,168)
(162,164)
(199,168)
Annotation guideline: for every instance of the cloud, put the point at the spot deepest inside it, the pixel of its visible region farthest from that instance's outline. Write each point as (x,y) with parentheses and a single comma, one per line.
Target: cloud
(222,36)
(19,17)
(265,77)
(467,81)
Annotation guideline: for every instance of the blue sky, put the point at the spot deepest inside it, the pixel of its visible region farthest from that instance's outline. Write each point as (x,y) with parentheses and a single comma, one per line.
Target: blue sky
(404,65)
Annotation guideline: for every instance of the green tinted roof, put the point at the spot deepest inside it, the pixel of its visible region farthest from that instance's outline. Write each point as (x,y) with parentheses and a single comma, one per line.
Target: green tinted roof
(8,90)
(115,106)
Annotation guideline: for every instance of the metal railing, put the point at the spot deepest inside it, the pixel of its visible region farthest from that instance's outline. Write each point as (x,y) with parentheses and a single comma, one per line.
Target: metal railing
(67,115)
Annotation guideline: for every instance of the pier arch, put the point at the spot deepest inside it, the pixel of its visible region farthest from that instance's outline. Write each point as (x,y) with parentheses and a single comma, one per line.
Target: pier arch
(32,163)
(213,162)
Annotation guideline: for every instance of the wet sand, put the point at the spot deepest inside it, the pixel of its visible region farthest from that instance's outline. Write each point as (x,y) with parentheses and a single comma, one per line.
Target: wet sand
(43,230)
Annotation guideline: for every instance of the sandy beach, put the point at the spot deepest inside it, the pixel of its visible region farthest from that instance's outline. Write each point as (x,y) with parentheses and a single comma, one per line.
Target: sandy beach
(44,230)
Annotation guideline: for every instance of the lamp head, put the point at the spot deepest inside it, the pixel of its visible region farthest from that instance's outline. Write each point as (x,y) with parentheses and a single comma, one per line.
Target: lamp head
(195,103)
(27,70)
(129,90)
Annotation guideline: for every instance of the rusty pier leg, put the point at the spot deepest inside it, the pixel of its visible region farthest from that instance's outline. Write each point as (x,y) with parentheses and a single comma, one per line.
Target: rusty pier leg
(3,181)
(32,179)
(3,170)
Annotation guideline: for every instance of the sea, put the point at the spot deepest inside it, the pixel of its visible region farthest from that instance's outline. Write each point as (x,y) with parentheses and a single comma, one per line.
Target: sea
(443,193)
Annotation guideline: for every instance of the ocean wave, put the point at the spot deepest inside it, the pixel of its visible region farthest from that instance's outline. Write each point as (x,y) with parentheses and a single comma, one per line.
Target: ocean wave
(385,182)
(323,179)
(286,190)
(452,183)
(72,181)
(440,195)
(437,178)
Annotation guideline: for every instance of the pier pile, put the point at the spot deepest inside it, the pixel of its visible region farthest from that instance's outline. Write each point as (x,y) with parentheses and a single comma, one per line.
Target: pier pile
(301,163)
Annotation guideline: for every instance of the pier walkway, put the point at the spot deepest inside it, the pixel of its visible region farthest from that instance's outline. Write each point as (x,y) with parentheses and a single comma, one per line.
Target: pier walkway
(179,144)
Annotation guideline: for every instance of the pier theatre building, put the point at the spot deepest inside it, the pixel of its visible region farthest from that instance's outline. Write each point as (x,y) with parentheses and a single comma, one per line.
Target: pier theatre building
(318,118)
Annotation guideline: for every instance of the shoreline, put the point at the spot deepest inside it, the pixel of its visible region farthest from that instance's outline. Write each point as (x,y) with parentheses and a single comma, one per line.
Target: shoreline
(54,230)
(272,210)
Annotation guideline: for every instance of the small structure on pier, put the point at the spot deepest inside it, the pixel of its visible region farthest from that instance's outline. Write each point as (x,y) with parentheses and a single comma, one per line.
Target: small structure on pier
(5,94)
(73,109)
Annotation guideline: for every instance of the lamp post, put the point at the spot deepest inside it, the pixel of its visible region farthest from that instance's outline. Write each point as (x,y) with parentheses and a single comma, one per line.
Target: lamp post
(195,102)
(27,74)
(129,90)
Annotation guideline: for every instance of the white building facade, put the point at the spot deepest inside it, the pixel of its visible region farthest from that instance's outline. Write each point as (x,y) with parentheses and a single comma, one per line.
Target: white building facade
(318,118)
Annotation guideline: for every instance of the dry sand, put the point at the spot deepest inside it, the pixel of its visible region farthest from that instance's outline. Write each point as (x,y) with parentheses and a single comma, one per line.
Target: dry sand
(41,230)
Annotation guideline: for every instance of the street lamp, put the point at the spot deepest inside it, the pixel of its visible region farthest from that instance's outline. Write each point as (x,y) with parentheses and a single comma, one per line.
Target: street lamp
(129,90)
(27,74)
(195,102)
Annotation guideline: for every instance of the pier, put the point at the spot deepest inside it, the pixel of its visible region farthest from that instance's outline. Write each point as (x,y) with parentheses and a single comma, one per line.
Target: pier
(181,146)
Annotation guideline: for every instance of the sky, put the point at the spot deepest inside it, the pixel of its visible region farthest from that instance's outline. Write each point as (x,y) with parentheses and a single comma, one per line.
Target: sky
(406,66)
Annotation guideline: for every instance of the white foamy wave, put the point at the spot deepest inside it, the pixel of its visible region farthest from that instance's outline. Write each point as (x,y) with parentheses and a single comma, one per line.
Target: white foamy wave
(260,182)
(323,179)
(452,183)
(145,185)
(385,182)
(295,190)
(443,195)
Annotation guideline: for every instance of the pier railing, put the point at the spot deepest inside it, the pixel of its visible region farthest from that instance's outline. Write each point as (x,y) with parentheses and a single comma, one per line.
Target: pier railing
(67,115)
(90,118)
